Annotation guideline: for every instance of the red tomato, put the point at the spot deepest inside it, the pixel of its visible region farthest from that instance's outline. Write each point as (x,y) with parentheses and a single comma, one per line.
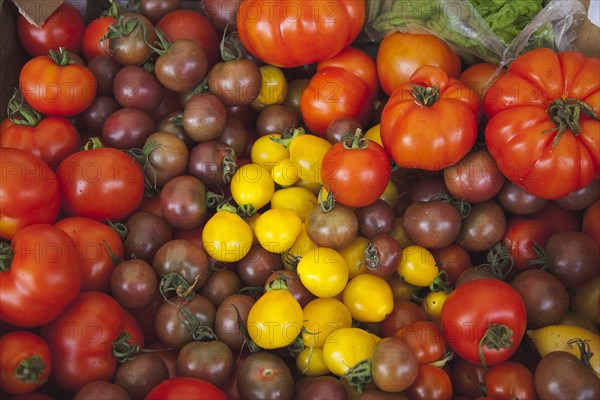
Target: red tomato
(401,54)
(28,193)
(190,24)
(510,380)
(480,77)
(334,93)
(81,340)
(102,183)
(25,362)
(483,321)
(523,233)
(93,240)
(92,44)
(52,139)
(540,130)
(63,28)
(303,32)
(180,388)
(43,276)
(356,171)
(425,339)
(53,87)
(431,122)
(432,383)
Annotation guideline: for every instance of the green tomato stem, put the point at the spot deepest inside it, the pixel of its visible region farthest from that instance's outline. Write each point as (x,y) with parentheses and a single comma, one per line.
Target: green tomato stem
(496,337)
(426,96)
(6,256)
(565,113)
(21,113)
(30,370)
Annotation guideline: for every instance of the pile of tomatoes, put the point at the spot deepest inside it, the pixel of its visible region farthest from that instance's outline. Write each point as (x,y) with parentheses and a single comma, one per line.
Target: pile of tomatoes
(240,199)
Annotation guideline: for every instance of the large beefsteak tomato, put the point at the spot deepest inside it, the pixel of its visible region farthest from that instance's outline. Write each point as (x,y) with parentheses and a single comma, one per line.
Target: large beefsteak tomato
(544,127)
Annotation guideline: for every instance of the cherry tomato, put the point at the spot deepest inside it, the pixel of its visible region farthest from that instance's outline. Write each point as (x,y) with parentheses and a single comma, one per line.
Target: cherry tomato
(323,271)
(346,347)
(369,298)
(323,316)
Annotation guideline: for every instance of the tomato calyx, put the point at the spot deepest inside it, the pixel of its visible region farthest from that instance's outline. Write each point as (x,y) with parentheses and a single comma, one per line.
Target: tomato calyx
(163,44)
(440,283)
(21,113)
(61,57)
(359,375)
(371,259)
(119,227)
(585,351)
(328,203)
(213,199)
(114,10)
(6,256)
(355,141)
(499,260)
(229,165)
(141,156)
(122,350)
(565,114)
(230,45)
(496,337)
(30,369)
(196,328)
(174,282)
(425,95)
(288,136)
(443,361)
(463,208)
(125,26)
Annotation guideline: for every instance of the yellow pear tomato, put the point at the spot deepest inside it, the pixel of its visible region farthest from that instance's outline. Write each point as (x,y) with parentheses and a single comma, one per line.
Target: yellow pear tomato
(346,347)
(310,362)
(275,320)
(277,229)
(308,151)
(369,298)
(323,271)
(417,266)
(266,152)
(323,316)
(354,254)
(432,304)
(286,172)
(226,236)
(273,88)
(252,186)
(296,199)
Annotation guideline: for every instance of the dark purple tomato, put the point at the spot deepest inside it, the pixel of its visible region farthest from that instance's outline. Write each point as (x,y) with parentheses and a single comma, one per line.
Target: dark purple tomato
(91,120)
(154,10)
(483,228)
(213,162)
(146,234)
(335,229)
(182,66)
(141,374)
(133,283)
(275,118)
(220,285)
(105,69)
(136,87)
(257,265)
(168,159)
(573,257)
(264,375)
(183,203)
(235,82)
(516,200)
(204,117)
(474,178)
(375,219)
(233,309)
(127,128)
(210,361)
(433,224)
(340,128)
(184,258)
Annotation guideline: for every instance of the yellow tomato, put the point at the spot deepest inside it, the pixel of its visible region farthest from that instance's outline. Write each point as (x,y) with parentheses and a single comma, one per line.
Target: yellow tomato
(286,172)
(374,134)
(273,88)
(400,234)
(323,271)
(308,151)
(433,303)
(296,199)
(323,316)
(266,153)
(417,266)
(346,347)
(227,237)
(252,186)
(313,187)
(310,362)
(301,246)
(390,194)
(251,220)
(369,298)
(354,254)
(275,320)
(277,230)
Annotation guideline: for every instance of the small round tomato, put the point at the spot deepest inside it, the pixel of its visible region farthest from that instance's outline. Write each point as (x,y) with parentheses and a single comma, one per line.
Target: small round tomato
(323,271)
(25,362)
(417,266)
(29,193)
(301,246)
(310,362)
(354,254)
(181,387)
(346,347)
(425,339)
(252,186)
(226,236)
(432,383)
(93,45)
(267,152)
(433,303)
(277,229)
(296,199)
(308,151)
(275,320)
(510,380)
(322,317)
(273,88)
(369,298)
(286,172)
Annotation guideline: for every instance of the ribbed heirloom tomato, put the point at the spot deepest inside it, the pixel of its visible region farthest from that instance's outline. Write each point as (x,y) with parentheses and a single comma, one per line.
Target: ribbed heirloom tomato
(430,122)
(544,127)
(303,32)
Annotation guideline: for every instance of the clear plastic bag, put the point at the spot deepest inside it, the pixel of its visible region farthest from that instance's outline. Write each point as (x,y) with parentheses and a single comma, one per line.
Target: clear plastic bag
(460,24)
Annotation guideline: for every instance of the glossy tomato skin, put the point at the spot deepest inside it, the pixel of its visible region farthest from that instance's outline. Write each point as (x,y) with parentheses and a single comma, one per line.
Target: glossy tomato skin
(432,135)
(58,90)
(491,302)
(179,388)
(304,32)
(356,176)
(53,139)
(102,183)
(521,134)
(92,44)
(64,28)
(94,241)
(43,278)
(29,193)
(23,346)
(80,340)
